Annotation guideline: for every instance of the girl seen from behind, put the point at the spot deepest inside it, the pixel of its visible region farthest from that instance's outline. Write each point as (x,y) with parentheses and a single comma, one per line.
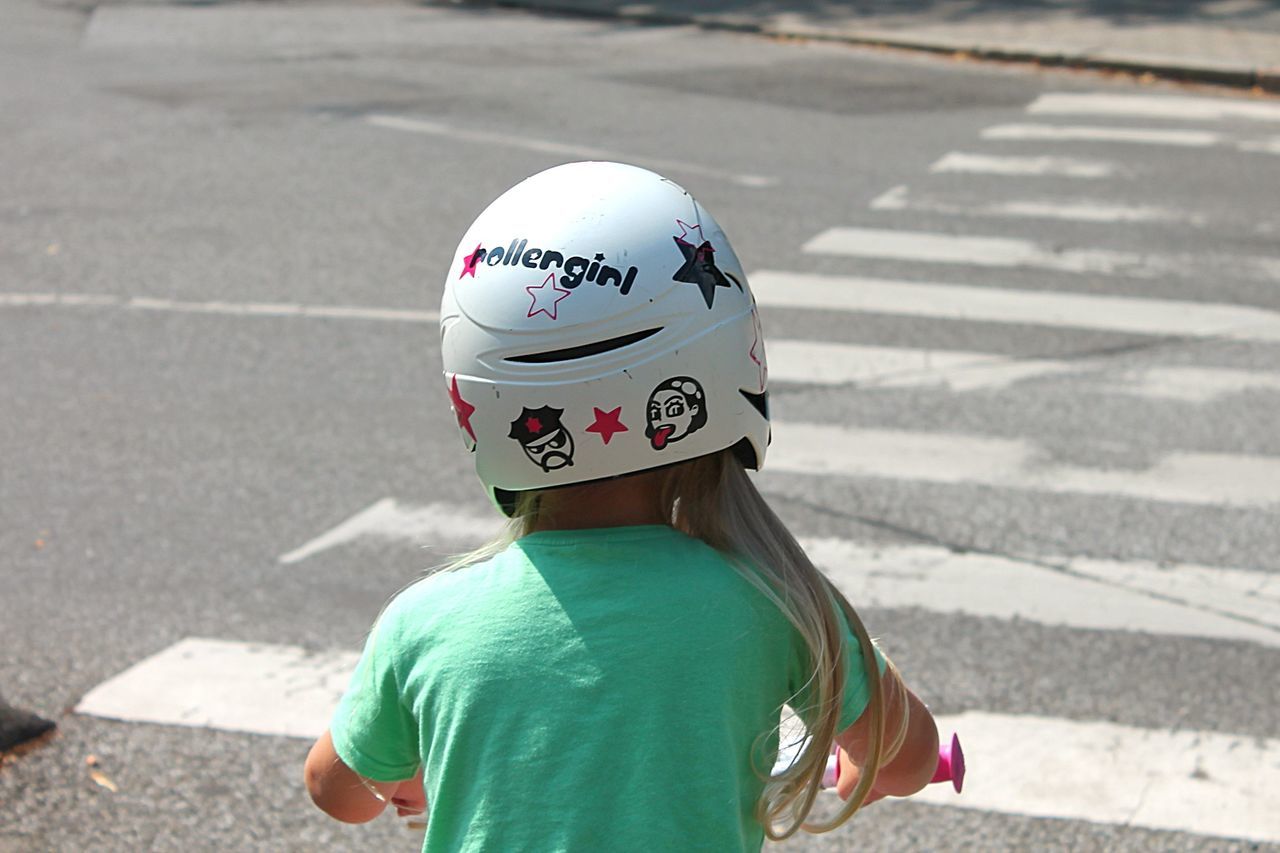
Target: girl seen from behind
(609,673)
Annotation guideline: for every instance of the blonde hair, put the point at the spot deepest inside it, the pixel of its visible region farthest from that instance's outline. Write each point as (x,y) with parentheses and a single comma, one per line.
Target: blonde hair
(712,498)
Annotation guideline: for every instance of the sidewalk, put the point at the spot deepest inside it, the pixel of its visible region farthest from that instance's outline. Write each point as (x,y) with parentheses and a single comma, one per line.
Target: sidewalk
(1224,42)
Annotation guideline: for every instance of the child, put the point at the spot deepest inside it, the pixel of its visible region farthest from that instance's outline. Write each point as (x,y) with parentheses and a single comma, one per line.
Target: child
(608,675)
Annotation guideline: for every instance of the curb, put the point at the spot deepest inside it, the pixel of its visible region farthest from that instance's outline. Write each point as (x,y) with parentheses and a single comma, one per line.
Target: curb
(1166,68)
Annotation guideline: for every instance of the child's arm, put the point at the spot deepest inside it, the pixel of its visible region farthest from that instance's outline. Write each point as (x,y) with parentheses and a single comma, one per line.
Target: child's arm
(912,767)
(341,792)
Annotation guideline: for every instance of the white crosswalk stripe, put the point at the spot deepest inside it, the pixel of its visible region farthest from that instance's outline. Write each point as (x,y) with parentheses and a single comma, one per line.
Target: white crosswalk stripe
(903,197)
(1182,600)
(1202,782)
(1194,478)
(901,367)
(820,363)
(1130,135)
(1008,252)
(989,164)
(929,248)
(1075,133)
(1154,106)
(1104,313)
(219,684)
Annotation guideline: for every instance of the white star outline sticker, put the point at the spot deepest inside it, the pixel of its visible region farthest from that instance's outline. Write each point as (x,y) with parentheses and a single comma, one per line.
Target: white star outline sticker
(541,297)
(688,234)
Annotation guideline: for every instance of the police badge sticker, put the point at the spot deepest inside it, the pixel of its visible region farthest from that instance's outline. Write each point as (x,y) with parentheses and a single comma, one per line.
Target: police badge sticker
(676,408)
(545,440)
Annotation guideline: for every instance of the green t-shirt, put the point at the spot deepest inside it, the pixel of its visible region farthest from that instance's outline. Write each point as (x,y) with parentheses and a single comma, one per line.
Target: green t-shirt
(584,690)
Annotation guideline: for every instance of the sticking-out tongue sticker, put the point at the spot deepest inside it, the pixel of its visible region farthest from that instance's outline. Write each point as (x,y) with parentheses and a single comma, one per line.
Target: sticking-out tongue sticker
(676,408)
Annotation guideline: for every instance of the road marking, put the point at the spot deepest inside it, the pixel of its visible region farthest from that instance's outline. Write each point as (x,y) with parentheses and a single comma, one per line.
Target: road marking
(1008,252)
(217,684)
(1264,146)
(1206,783)
(803,290)
(284,309)
(1076,210)
(1214,479)
(1162,317)
(925,247)
(898,367)
(1154,106)
(1086,594)
(386,520)
(25,300)
(1191,384)
(234,309)
(987,164)
(1135,135)
(789,360)
(561,149)
(1178,600)
(819,363)
(1139,135)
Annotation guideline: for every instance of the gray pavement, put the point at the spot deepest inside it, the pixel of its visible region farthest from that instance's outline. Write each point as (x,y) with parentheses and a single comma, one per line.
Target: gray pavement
(1224,42)
(177,170)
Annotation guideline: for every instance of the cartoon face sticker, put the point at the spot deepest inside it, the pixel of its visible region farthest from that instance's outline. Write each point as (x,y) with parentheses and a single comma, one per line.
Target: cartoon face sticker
(544,439)
(676,408)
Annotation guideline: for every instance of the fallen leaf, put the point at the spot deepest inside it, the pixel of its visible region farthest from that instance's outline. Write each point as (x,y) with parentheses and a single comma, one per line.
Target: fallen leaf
(103,780)
(91,760)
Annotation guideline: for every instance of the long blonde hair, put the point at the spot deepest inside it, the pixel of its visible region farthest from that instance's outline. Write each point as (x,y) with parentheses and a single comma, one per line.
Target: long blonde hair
(712,498)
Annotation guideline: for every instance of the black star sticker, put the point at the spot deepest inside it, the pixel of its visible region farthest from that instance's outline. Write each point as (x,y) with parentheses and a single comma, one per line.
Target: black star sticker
(700,268)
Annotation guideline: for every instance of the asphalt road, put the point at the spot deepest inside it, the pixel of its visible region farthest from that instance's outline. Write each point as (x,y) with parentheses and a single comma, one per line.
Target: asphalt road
(173,175)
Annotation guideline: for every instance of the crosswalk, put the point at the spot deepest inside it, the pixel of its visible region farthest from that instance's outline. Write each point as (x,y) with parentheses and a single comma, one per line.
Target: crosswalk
(1206,783)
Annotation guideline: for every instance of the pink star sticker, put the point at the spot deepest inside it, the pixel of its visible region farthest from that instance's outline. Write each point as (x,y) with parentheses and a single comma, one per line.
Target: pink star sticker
(469,263)
(607,423)
(758,344)
(688,234)
(462,410)
(546,297)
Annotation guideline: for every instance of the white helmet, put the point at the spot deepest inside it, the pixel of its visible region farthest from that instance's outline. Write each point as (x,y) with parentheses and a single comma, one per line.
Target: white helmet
(596,323)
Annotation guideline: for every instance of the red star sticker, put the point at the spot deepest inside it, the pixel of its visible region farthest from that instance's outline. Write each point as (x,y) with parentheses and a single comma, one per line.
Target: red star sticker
(533,425)
(546,297)
(607,423)
(461,408)
(469,263)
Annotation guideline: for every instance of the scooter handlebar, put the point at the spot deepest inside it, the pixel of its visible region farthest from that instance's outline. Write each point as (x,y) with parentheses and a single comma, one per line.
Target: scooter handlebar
(950,766)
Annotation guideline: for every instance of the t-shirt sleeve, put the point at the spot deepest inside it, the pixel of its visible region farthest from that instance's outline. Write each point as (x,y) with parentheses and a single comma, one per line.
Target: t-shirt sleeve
(373,728)
(857,688)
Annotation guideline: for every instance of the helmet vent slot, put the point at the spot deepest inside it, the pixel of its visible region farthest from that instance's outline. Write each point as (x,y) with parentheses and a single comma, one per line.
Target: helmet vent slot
(583,351)
(759,401)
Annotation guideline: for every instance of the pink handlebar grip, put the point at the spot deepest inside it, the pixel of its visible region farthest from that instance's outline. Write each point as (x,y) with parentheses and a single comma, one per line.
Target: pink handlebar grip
(950,764)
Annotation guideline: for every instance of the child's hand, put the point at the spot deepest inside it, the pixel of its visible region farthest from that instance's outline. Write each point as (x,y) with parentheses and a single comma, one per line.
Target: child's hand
(409,798)
(848,779)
